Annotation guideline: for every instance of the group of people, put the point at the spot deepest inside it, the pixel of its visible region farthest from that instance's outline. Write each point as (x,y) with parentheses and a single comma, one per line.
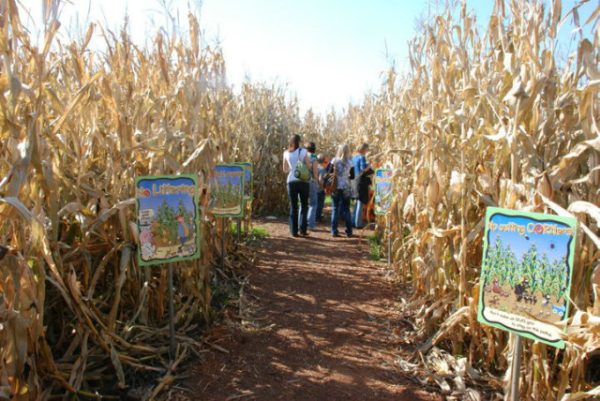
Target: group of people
(344,178)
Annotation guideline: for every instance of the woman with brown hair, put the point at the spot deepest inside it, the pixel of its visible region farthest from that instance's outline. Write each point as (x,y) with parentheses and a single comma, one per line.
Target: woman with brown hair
(297,187)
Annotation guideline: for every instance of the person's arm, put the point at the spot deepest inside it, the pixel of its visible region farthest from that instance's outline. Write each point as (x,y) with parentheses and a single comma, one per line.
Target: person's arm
(315,169)
(286,167)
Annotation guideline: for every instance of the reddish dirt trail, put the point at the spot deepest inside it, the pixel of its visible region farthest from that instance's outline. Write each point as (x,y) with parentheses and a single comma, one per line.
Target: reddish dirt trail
(325,326)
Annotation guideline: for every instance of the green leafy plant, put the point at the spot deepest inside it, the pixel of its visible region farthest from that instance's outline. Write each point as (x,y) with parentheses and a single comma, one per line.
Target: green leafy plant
(374,247)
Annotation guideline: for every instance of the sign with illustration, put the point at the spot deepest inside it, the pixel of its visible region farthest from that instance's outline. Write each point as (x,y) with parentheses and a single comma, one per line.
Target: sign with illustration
(383,190)
(226,189)
(168,221)
(526,273)
(248,178)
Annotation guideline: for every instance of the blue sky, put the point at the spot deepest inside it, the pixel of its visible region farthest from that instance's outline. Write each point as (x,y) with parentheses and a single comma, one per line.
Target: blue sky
(172,200)
(227,179)
(328,52)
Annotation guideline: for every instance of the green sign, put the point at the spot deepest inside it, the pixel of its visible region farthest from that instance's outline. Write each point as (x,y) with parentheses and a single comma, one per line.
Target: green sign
(526,273)
(248,179)
(226,191)
(167,219)
(383,190)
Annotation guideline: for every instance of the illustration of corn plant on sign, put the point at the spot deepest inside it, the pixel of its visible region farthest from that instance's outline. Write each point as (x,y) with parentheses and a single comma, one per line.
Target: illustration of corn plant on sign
(167,218)
(383,190)
(248,178)
(226,191)
(526,273)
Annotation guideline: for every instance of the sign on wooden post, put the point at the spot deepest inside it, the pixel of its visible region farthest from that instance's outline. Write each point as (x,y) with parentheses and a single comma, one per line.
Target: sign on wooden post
(168,228)
(526,273)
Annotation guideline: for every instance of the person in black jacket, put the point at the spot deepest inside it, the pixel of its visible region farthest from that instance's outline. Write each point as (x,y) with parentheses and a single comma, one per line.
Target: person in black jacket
(362,182)
(322,170)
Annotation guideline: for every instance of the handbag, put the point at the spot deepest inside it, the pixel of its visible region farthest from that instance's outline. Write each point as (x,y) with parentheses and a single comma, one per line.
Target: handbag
(301,172)
(330,181)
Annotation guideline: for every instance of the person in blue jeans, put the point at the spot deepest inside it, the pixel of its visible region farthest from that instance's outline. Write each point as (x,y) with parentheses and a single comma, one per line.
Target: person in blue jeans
(343,169)
(314,185)
(296,187)
(322,170)
(361,170)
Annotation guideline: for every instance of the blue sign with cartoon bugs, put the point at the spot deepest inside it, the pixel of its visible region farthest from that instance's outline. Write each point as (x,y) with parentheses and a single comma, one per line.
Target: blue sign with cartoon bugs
(526,273)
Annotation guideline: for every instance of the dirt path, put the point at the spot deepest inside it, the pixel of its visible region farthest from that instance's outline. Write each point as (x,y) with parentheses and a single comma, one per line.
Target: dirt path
(324,327)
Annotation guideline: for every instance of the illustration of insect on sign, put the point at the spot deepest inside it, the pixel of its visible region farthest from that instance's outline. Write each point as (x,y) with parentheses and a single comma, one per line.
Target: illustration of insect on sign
(383,190)
(168,222)
(226,188)
(526,273)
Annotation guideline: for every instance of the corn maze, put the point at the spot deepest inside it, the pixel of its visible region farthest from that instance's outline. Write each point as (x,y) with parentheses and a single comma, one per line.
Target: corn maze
(482,117)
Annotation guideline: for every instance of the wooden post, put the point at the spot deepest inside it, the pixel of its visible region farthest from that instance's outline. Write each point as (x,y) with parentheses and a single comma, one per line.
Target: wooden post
(172,343)
(222,244)
(516,369)
(389,240)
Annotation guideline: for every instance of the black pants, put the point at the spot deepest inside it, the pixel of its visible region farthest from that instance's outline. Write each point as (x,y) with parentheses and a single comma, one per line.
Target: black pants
(298,189)
(320,204)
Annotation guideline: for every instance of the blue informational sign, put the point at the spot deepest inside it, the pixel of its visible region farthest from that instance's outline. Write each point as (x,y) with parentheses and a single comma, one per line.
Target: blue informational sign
(167,219)
(383,190)
(526,273)
(226,191)
(248,180)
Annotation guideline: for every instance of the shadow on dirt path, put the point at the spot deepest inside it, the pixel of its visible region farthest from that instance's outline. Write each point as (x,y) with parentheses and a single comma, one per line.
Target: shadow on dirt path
(321,327)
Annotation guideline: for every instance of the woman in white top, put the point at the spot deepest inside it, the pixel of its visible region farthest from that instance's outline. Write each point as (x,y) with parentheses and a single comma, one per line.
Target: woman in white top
(344,170)
(296,187)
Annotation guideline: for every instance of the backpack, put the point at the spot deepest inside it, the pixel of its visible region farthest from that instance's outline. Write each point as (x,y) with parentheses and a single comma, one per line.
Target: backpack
(301,172)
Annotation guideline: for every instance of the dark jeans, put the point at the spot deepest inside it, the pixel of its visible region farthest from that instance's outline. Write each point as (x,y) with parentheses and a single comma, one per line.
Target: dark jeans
(341,208)
(298,189)
(320,204)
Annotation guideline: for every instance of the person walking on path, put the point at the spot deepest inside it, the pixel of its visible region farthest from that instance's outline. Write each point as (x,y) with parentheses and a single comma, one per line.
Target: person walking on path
(297,188)
(344,172)
(314,186)
(321,170)
(362,181)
